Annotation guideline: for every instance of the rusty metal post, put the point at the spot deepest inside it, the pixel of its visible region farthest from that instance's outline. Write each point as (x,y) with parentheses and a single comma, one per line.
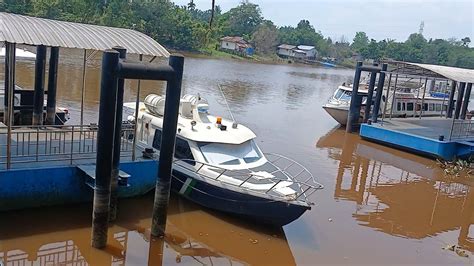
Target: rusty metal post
(378,94)
(105,147)
(117,141)
(163,183)
(354,109)
(370,95)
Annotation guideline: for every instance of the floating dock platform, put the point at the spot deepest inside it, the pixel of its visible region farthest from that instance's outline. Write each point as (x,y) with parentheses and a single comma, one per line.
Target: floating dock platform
(433,137)
(55,165)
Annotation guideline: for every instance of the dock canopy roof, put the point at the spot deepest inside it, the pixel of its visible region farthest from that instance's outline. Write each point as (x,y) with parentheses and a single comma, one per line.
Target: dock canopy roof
(433,71)
(39,31)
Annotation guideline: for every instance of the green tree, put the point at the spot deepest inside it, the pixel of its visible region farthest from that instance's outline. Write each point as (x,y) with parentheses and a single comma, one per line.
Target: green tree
(243,20)
(414,47)
(265,38)
(360,42)
(466,41)
(118,13)
(306,34)
(16,6)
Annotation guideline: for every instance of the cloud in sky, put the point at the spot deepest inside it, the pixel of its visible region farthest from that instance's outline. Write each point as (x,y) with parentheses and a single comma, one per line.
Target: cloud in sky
(380,19)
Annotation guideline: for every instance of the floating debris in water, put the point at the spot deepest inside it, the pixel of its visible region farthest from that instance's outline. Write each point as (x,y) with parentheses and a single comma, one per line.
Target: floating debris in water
(330,219)
(461,252)
(254,241)
(457,168)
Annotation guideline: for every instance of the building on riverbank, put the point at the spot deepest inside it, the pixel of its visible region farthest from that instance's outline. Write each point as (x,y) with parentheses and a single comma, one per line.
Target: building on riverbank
(298,52)
(236,45)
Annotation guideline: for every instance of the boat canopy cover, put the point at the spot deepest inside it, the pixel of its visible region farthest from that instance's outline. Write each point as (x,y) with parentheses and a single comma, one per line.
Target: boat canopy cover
(39,31)
(434,71)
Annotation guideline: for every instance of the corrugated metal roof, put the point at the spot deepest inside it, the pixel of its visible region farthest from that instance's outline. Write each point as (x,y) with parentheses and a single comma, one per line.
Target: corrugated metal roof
(306,47)
(287,46)
(435,71)
(39,31)
(235,39)
(454,73)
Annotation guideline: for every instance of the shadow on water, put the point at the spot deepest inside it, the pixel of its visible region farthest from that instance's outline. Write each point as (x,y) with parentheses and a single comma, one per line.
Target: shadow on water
(419,203)
(61,235)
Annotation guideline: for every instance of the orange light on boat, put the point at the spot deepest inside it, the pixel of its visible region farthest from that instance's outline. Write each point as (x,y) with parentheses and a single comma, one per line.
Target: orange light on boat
(219,120)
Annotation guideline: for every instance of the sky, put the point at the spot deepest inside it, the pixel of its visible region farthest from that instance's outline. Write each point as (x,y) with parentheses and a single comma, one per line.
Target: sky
(380,19)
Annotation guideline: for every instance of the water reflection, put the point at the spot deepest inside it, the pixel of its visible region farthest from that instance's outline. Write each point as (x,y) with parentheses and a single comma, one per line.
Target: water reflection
(193,236)
(419,202)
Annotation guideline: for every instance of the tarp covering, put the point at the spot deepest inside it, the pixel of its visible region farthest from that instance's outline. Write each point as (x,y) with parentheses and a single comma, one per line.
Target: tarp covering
(39,31)
(435,71)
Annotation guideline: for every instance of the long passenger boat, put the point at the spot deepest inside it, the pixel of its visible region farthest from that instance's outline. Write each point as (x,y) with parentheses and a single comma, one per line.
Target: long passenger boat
(406,102)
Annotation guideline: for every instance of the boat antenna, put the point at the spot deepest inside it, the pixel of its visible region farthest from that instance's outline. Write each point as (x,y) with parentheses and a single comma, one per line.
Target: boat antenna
(226,103)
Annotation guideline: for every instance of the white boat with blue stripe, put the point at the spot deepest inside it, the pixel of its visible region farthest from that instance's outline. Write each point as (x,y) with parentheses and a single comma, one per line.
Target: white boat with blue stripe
(218,164)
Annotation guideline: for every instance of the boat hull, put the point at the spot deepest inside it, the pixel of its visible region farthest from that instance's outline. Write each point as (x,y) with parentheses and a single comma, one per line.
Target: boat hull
(338,113)
(259,209)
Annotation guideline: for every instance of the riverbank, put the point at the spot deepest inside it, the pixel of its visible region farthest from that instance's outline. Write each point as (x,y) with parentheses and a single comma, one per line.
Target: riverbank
(259,59)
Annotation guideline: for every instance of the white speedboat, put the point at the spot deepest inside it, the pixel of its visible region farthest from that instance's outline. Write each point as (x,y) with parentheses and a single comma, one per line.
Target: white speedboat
(339,103)
(219,165)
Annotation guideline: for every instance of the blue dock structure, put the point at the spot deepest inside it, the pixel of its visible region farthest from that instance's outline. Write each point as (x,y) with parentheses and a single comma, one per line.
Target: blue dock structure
(42,163)
(448,135)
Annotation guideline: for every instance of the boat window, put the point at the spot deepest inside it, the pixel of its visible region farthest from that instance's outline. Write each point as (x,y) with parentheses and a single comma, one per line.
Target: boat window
(230,154)
(431,107)
(425,107)
(183,151)
(399,106)
(157,140)
(409,106)
(338,93)
(346,96)
(404,106)
(438,107)
(445,108)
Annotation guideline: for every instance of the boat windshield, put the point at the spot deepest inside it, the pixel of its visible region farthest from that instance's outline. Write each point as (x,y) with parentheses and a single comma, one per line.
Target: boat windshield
(338,93)
(345,95)
(230,154)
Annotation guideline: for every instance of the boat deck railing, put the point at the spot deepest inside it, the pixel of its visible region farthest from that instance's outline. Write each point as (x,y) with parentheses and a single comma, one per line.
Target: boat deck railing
(462,129)
(284,173)
(63,144)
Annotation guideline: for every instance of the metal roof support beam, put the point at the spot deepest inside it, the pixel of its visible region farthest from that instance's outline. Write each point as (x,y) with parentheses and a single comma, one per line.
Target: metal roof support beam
(457,111)
(52,86)
(38,98)
(9,95)
(467,96)
(450,109)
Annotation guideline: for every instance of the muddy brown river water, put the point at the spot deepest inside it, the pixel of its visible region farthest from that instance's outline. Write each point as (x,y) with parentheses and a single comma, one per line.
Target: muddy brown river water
(379,205)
